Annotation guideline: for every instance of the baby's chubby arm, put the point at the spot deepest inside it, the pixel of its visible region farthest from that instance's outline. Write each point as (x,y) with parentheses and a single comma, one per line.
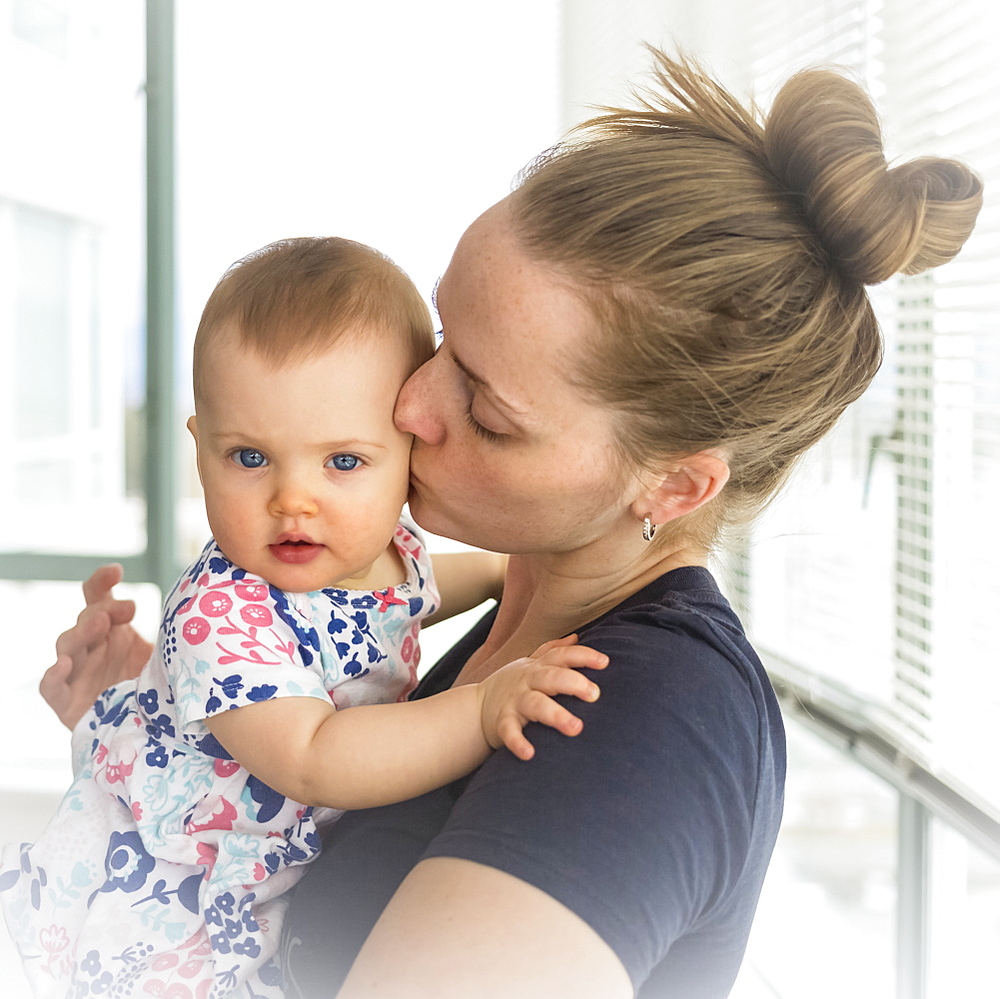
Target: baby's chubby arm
(371,755)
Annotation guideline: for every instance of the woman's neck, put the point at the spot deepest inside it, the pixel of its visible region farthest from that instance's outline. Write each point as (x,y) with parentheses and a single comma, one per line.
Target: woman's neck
(551,595)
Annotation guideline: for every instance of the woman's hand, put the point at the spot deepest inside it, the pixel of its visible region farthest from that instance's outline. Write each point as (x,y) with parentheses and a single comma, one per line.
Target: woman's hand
(101,649)
(522,692)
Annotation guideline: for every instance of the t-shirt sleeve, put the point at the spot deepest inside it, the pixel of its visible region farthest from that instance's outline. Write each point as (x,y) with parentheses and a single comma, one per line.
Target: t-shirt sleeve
(234,642)
(640,823)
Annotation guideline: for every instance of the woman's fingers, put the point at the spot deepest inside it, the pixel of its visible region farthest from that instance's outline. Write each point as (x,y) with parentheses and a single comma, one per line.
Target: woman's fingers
(98,585)
(91,628)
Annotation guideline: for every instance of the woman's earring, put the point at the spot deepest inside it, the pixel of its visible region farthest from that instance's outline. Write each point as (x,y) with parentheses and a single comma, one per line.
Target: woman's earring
(648,530)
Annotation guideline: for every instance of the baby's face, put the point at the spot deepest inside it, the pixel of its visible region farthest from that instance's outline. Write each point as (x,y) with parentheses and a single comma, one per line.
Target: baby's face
(304,471)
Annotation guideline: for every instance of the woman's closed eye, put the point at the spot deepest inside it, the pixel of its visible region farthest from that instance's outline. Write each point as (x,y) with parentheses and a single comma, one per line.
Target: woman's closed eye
(480,431)
(249,457)
(344,462)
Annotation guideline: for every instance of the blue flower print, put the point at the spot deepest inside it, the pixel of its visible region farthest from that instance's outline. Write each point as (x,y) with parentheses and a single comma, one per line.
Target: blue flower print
(219,565)
(91,964)
(270,801)
(249,946)
(225,904)
(160,726)
(157,757)
(127,863)
(220,943)
(211,746)
(263,692)
(149,701)
(101,985)
(231,685)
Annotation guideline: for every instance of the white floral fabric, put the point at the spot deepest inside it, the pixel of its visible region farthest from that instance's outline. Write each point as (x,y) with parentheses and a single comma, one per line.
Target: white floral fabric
(162,872)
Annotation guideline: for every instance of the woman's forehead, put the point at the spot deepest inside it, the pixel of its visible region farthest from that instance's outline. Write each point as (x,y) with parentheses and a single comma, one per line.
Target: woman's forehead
(510,322)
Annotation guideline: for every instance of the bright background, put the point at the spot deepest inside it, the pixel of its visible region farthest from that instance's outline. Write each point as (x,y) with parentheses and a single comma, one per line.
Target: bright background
(871,585)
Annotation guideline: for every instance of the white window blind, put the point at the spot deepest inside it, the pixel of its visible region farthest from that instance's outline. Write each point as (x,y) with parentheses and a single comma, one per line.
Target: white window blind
(874,575)
(876,571)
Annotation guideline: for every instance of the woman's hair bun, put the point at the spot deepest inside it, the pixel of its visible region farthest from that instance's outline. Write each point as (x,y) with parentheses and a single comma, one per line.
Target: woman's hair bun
(823,141)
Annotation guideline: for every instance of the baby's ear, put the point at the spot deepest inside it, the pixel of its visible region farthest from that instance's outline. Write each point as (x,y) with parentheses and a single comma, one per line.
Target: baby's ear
(192,425)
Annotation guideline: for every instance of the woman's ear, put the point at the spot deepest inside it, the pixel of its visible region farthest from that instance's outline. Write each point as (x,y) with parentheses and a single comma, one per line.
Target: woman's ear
(682,488)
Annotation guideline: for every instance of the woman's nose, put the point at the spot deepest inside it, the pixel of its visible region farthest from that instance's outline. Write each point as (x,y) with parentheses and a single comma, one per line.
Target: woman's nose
(418,405)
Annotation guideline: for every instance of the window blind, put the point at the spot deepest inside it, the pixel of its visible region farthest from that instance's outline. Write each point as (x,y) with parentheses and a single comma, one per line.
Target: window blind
(874,573)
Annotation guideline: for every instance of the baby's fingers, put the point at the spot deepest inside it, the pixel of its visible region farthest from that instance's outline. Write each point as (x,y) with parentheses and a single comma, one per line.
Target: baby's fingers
(552,680)
(509,730)
(574,657)
(537,707)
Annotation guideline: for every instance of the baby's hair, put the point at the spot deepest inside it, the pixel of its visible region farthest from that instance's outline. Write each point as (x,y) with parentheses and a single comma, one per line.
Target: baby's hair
(725,256)
(296,297)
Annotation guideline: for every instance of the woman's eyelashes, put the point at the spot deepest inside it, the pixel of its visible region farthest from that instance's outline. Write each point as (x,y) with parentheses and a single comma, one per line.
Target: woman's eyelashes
(477,428)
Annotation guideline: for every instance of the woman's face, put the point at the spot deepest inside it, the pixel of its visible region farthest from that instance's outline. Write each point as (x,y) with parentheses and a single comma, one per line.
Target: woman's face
(508,453)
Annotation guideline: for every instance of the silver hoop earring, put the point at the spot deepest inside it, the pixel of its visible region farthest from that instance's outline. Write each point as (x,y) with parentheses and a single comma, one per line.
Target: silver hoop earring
(648,530)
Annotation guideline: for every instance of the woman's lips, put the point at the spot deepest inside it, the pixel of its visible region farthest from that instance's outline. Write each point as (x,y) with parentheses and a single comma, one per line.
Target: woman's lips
(295,552)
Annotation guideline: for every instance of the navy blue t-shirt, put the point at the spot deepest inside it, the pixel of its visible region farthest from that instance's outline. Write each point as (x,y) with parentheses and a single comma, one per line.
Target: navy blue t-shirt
(654,825)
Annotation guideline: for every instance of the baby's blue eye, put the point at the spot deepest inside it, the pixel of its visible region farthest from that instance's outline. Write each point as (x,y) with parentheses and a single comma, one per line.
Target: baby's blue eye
(344,462)
(250,457)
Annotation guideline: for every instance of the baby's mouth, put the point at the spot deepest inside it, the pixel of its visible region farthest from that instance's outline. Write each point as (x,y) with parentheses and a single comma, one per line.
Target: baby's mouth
(295,549)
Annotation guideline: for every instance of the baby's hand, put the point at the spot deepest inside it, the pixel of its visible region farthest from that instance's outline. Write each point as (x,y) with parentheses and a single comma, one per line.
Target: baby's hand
(522,691)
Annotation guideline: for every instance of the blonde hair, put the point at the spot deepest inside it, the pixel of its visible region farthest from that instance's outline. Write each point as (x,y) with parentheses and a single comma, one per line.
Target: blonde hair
(725,258)
(294,298)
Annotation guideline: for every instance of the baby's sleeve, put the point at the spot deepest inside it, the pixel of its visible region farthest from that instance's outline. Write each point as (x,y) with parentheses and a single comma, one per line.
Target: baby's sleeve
(234,642)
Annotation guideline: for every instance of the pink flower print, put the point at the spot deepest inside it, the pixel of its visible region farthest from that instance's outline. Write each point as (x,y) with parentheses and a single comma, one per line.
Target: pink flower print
(256,614)
(406,652)
(226,768)
(196,630)
(54,939)
(163,962)
(207,855)
(136,811)
(117,772)
(259,872)
(252,591)
(102,753)
(221,818)
(215,604)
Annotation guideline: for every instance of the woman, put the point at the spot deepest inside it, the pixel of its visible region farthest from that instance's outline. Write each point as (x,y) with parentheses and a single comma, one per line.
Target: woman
(639,341)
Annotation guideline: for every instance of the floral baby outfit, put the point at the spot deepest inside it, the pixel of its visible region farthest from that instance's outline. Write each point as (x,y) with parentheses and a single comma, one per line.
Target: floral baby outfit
(161,872)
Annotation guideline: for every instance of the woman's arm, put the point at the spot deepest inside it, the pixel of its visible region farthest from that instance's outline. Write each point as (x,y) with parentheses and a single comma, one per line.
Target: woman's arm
(456,929)
(100,650)
(465,580)
(378,754)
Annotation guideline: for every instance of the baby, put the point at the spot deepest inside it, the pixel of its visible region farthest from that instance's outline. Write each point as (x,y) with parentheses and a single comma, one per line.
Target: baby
(197,803)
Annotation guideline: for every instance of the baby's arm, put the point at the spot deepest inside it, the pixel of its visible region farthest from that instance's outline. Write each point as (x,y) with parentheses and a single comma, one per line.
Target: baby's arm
(377,754)
(465,580)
